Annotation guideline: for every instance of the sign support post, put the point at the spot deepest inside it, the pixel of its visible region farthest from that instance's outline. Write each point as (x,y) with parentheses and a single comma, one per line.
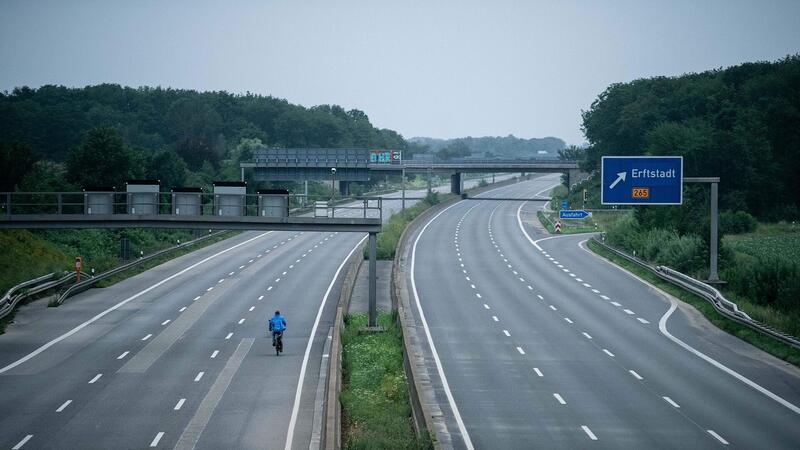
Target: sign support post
(713,274)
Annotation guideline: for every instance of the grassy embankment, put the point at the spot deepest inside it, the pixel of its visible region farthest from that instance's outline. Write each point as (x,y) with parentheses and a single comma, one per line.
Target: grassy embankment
(765,343)
(375,404)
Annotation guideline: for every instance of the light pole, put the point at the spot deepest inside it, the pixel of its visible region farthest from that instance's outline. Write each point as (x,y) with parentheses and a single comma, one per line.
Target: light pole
(333,182)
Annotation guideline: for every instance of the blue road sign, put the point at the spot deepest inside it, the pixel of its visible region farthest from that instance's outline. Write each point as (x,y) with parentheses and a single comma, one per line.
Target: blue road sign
(573,214)
(641,180)
(564,204)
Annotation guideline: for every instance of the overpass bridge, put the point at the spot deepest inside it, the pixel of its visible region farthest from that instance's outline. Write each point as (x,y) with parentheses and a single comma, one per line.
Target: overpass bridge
(343,165)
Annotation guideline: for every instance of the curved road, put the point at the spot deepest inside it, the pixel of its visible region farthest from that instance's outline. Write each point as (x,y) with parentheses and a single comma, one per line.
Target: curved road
(542,343)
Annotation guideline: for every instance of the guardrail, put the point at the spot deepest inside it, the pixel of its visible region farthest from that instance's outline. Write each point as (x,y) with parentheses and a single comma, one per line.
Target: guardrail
(30,288)
(87,283)
(722,305)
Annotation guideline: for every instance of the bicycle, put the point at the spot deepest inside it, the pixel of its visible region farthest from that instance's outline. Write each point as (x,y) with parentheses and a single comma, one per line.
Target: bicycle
(277,338)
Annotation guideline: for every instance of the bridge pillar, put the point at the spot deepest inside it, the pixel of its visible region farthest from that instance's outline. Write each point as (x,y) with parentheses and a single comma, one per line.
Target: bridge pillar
(455,183)
(344,188)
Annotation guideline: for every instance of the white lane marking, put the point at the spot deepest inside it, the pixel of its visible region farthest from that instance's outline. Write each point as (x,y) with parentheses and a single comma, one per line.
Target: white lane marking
(165,322)
(467,278)
(565,270)
(269,288)
(459,421)
(259,255)
(589,432)
(284,273)
(230,274)
(241,321)
(559,398)
(506,333)
(182,309)
(718,437)
(495,318)
(553,308)
(228,336)
(210,289)
(568,320)
(522,279)
(303,256)
(509,266)
(616,304)
(587,285)
(199,376)
(251,260)
(304,365)
(515,272)
(252,308)
(556,262)
(22,442)
(241,267)
(260,297)
(644,321)
(463,270)
(96,377)
(573,275)
(472,286)
(277,280)
(629,312)
(608,353)
(538,372)
(605,297)
(559,266)
(486,306)
(478,295)
(662,326)
(214,355)
(595,291)
(636,375)
(579,280)
(179,404)
(540,297)
(530,287)
(296,261)
(550,258)
(520,350)
(157,439)
(588,336)
(147,337)
(63,406)
(671,402)
(196,298)
(291,266)
(124,354)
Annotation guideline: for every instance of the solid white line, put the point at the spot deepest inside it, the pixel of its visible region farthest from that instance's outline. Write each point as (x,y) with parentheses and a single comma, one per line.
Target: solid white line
(228,336)
(147,337)
(589,432)
(445,385)
(636,375)
(520,350)
(241,321)
(568,320)
(587,335)
(199,376)
(718,437)
(214,355)
(299,391)
(64,406)
(157,439)
(22,442)
(495,319)
(506,333)
(608,352)
(538,372)
(560,400)
(644,321)
(182,309)
(671,402)
(124,354)
(96,377)
(179,404)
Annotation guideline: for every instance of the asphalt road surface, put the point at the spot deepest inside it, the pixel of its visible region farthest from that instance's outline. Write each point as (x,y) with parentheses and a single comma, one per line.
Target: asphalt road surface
(179,356)
(543,344)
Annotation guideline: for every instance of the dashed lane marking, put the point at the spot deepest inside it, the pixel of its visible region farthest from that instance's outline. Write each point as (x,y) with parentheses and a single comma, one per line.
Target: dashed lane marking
(63,406)
(538,372)
(635,375)
(717,437)
(559,398)
(608,353)
(520,350)
(588,432)
(96,377)
(157,439)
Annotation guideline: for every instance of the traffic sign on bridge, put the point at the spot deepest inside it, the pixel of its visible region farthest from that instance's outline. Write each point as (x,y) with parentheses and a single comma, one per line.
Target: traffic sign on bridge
(641,180)
(573,214)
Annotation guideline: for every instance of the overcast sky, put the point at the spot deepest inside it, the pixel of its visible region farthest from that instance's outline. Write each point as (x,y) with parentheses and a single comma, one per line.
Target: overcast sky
(428,68)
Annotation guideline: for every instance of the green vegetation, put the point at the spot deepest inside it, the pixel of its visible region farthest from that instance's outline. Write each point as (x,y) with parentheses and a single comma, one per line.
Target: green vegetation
(768,344)
(393,228)
(488,147)
(26,256)
(375,403)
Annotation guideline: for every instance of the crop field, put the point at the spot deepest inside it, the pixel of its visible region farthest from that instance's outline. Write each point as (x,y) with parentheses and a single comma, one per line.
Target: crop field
(784,245)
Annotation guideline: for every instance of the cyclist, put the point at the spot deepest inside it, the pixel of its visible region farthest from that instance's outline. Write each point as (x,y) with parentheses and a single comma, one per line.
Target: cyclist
(277,325)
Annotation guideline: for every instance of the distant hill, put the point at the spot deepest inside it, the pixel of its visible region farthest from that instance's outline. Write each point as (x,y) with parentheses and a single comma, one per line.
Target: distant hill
(495,146)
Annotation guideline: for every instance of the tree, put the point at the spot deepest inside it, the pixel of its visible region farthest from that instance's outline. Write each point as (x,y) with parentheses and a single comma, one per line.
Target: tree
(16,160)
(101,160)
(167,167)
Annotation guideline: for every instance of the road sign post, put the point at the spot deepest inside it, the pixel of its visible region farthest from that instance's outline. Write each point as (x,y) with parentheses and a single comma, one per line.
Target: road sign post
(641,180)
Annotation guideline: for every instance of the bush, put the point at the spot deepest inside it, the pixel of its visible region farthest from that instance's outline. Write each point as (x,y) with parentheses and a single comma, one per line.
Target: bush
(767,281)
(483,183)
(736,222)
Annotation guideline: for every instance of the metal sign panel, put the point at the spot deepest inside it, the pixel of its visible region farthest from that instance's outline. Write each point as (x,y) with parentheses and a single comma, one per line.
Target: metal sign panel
(641,180)
(573,214)
(385,157)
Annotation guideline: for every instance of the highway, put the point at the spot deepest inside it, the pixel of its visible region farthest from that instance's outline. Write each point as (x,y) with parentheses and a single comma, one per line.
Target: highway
(539,343)
(178,356)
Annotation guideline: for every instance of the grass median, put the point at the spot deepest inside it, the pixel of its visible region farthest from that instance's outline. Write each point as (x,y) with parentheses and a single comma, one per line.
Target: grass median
(376,412)
(766,343)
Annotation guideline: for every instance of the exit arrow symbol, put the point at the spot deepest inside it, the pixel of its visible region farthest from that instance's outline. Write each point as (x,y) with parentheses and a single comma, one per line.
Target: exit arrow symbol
(620,177)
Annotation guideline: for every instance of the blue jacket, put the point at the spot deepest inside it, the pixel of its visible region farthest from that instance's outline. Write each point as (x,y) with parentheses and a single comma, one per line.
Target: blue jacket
(277,323)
